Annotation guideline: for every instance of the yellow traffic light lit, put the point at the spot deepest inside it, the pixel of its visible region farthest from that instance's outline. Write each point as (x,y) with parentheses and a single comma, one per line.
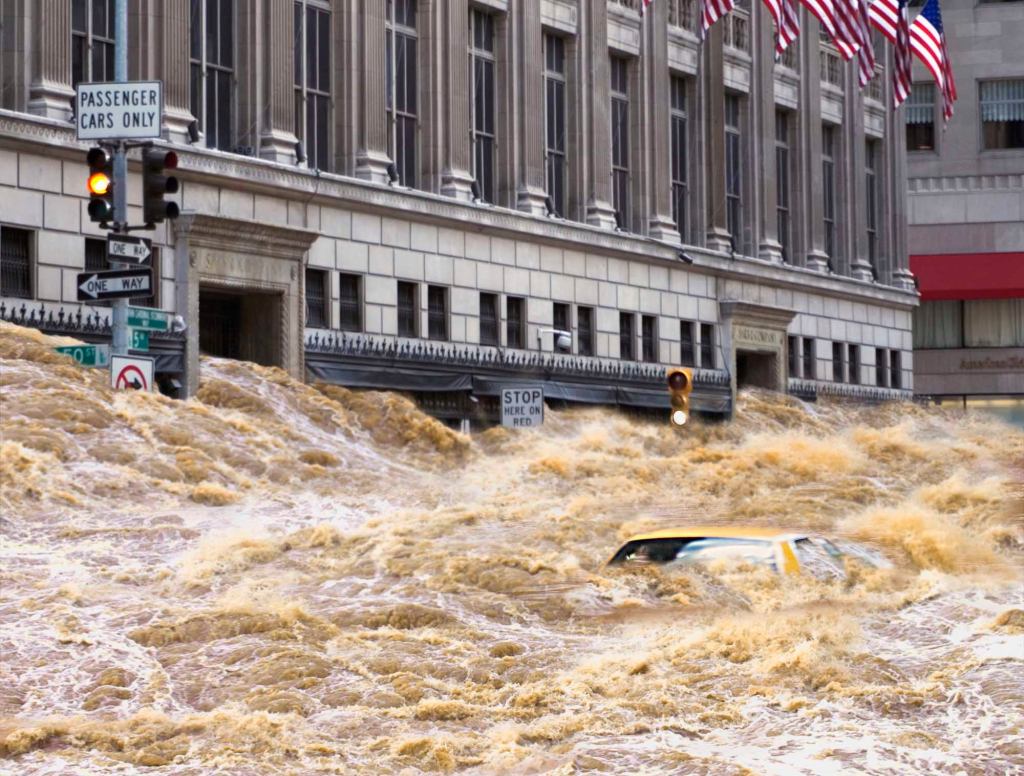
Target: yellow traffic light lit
(680,384)
(99,184)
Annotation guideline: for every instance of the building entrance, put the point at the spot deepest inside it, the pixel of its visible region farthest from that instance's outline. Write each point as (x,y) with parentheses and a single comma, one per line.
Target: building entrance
(235,324)
(756,370)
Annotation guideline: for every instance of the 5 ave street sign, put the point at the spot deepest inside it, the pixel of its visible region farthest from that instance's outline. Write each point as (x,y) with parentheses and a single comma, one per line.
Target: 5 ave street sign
(119,111)
(139,340)
(115,284)
(149,319)
(522,407)
(132,250)
(87,355)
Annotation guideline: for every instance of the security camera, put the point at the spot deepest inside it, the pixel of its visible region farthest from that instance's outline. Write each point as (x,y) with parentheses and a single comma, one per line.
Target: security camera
(178,324)
(563,341)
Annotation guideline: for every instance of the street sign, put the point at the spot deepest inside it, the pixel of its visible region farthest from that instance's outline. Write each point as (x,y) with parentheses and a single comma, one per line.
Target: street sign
(87,355)
(149,319)
(131,250)
(138,339)
(131,373)
(114,284)
(522,407)
(119,111)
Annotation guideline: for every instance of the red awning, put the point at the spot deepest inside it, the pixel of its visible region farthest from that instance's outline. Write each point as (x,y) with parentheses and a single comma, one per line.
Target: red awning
(969,275)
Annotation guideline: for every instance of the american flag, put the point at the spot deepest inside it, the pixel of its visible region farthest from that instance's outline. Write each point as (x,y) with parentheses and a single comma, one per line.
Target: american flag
(826,13)
(848,36)
(900,55)
(787,22)
(643,6)
(712,11)
(929,43)
(884,15)
(866,53)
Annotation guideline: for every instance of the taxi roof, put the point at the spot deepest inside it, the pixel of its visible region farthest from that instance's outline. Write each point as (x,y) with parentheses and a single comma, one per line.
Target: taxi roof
(715,532)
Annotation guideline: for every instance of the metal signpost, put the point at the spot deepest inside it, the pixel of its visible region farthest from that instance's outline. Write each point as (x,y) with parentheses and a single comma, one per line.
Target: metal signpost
(116,284)
(522,407)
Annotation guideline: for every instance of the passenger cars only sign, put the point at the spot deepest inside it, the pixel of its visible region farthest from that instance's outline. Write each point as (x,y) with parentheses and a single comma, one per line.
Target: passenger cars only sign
(522,407)
(119,111)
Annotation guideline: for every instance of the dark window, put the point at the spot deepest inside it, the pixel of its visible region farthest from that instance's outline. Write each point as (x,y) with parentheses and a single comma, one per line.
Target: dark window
(437,312)
(627,336)
(489,319)
(733,171)
(793,347)
(554,120)
(871,187)
(854,351)
(679,156)
(212,62)
(92,41)
(153,300)
(313,83)
(687,351)
(649,338)
(351,302)
(828,185)
(402,70)
(482,64)
(620,140)
(16,262)
(560,317)
(837,362)
(585,330)
(408,310)
(881,367)
(810,362)
(316,298)
(95,254)
(515,322)
(707,346)
(1002,113)
(920,113)
(895,370)
(783,176)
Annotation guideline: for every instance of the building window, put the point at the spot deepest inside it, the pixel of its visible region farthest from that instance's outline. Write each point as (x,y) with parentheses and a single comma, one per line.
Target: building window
(627,335)
(402,68)
(895,370)
(793,350)
(408,309)
(437,312)
(679,156)
(515,322)
(482,64)
(153,300)
(554,120)
(828,186)
(313,82)
(15,262)
(707,346)
(649,338)
(585,330)
(854,351)
(1002,114)
(871,189)
(316,298)
(489,319)
(560,317)
(920,113)
(92,41)
(620,140)
(837,362)
(810,362)
(733,171)
(783,178)
(349,291)
(881,367)
(95,254)
(687,351)
(212,63)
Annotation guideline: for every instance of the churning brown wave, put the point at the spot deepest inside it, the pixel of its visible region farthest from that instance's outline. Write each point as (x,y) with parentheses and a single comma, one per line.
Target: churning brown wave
(276,578)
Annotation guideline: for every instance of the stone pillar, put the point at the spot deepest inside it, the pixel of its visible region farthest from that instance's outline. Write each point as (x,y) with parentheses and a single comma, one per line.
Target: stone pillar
(762,101)
(809,189)
(453,71)
(655,104)
(160,51)
(430,28)
(372,155)
(14,54)
(597,114)
(529,107)
(855,207)
(250,73)
(718,237)
(50,93)
(277,133)
(894,164)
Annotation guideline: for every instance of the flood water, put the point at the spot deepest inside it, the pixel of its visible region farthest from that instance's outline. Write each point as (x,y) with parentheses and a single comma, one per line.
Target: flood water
(276,578)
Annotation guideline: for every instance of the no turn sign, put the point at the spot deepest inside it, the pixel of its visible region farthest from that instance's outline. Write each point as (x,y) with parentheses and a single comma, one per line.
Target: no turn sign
(131,373)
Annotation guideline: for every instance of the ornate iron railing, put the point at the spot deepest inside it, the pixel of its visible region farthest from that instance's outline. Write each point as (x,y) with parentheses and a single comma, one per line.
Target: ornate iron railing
(812,389)
(39,315)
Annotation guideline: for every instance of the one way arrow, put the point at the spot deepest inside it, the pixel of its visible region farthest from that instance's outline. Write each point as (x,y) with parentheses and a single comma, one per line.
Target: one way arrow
(114,285)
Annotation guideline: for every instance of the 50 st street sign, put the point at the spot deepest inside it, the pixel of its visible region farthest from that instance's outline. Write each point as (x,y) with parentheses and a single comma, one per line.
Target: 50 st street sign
(116,284)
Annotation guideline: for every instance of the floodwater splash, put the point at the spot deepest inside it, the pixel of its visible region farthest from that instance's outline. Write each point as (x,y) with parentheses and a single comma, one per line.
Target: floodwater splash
(283,578)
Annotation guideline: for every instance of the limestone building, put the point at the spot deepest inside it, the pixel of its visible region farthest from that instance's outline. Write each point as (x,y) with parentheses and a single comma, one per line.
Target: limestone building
(418,194)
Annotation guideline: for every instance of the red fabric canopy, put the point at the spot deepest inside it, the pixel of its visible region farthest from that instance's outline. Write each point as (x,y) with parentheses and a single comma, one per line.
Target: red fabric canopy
(969,275)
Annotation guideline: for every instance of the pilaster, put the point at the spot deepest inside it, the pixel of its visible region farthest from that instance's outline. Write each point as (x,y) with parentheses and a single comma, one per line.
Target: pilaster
(597,123)
(372,156)
(529,107)
(50,93)
(810,188)
(713,105)
(655,105)
(277,134)
(453,61)
(762,100)
(14,54)
(856,214)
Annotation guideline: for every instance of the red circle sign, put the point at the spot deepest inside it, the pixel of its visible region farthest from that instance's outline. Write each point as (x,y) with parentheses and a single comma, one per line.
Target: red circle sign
(131,377)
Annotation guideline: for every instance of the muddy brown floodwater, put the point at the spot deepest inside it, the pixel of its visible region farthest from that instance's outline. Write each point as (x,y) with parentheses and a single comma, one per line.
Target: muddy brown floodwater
(276,578)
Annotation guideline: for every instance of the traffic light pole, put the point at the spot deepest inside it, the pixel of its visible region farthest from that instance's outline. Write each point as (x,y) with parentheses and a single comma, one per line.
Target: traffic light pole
(119,344)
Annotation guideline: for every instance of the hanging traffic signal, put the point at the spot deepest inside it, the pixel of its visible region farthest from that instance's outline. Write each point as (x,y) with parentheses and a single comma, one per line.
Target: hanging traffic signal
(680,383)
(100,185)
(156,184)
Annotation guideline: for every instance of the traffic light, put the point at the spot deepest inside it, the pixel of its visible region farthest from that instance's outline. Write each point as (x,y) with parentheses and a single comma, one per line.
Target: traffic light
(100,185)
(156,184)
(680,383)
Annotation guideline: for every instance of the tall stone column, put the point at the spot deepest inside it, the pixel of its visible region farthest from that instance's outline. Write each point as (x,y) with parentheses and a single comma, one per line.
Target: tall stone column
(50,93)
(894,163)
(372,155)
(597,116)
(168,34)
(811,190)
(529,106)
(718,237)
(453,63)
(763,102)
(856,213)
(15,63)
(655,105)
(278,120)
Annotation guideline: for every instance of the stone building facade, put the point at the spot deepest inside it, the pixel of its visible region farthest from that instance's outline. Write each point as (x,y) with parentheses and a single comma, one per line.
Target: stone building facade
(417,195)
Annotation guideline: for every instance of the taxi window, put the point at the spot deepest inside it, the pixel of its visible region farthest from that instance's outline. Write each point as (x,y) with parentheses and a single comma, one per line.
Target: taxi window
(819,558)
(650,551)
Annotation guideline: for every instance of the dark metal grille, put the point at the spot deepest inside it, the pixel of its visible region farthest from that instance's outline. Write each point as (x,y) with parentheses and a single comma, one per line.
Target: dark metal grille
(407,310)
(686,344)
(489,319)
(793,348)
(855,364)
(649,338)
(437,312)
(316,298)
(881,367)
(514,321)
(560,317)
(351,305)
(627,335)
(895,370)
(585,330)
(16,262)
(837,362)
(707,346)
(810,369)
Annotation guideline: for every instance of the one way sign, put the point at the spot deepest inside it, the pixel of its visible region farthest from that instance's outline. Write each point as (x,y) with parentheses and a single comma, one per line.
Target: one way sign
(116,284)
(133,250)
